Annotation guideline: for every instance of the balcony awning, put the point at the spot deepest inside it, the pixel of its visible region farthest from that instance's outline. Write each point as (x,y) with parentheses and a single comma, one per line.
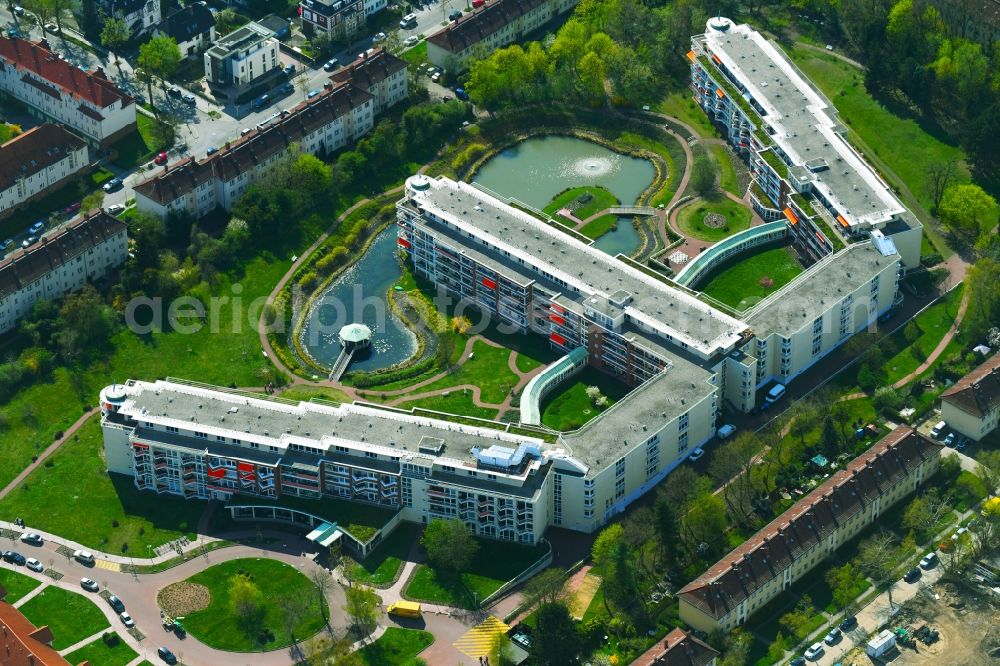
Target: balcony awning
(691,56)
(843,222)
(791,216)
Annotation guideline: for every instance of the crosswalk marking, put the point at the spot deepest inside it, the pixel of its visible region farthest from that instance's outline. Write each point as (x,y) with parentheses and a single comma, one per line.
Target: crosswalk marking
(476,642)
(107,564)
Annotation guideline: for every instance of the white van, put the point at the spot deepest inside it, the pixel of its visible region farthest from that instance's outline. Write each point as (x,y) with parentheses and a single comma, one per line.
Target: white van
(938,430)
(725,431)
(776,393)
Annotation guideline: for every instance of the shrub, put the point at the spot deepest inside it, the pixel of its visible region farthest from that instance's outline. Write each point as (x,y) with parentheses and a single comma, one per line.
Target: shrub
(308,281)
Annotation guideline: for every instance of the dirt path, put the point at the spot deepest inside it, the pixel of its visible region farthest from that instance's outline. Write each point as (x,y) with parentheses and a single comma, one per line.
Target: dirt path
(47,452)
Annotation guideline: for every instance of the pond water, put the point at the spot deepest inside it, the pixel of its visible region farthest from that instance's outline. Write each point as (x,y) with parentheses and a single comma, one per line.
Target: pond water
(359,296)
(622,240)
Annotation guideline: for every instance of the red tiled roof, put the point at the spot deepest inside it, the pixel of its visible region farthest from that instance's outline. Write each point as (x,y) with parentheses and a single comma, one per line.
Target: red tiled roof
(767,553)
(679,648)
(21,643)
(34,151)
(91,86)
(978,392)
(481,23)
(368,71)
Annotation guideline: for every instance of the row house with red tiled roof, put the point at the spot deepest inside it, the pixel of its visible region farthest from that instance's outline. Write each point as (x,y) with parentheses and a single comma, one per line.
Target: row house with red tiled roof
(679,648)
(972,405)
(810,531)
(24,644)
(492,26)
(62,261)
(85,102)
(323,124)
(36,162)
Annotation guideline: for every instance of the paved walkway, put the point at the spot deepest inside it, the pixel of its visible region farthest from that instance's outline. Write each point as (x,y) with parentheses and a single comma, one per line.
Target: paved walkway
(86,641)
(31,595)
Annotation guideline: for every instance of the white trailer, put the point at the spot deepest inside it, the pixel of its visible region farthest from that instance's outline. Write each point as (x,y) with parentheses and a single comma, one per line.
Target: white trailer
(881,644)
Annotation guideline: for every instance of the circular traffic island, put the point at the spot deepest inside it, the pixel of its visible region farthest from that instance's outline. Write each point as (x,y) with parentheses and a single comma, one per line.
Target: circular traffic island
(250,605)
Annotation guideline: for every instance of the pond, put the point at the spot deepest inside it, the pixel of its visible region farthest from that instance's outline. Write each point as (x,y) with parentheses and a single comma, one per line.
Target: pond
(621,240)
(359,296)
(536,170)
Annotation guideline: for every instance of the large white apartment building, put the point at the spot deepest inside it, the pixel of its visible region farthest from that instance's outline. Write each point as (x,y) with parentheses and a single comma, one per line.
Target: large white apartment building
(381,74)
(492,26)
(62,261)
(37,161)
(85,102)
(809,532)
(336,19)
(325,123)
(242,57)
(804,169)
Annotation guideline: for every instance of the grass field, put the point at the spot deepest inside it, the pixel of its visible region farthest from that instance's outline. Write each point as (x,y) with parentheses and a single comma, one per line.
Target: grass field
(16,584)
(495,563)
(71,617)
(75,498)
(691,219)
(456,401)
(303,392)
(526,363)
(727,173)
(416,55)
(569,407)
(217,626)
(487,369)
(98,653)
(682,106)
(396,647)
(740,285)
(381,567)
(599,226)
(600,198)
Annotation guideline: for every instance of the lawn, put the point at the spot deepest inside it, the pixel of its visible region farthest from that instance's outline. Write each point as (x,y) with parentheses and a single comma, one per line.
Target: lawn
(681,105)
(457,401)
(495,563)
(16,584)
(98,653)
(216,625)
(304,392)
(8,131)
(525,363)
(727,173)
(71,617)
(599,226)
(487,369)
(597,199)
(569,407)
(749,280)
(691,219)
(396,647)
(381,567)
(416,55)
(72,495)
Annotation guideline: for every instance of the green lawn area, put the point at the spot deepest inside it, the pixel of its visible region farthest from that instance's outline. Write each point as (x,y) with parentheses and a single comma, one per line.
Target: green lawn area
(599,226)
(599,199)
(416,55)
(75,498)
(455,402)
(7,132)
(682,106)
(217,627)
(396,647)
(569,407)
(303,392)
(16,584)
(138,146)
(50,405)
(742,284)
(72,617)
(495,563)
(525,363)
(727,173)
(487,369)
(98,653)
(691,219)
(382,565)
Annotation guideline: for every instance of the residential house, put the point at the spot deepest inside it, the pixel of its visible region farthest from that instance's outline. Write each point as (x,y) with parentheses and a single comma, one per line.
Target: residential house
(811,530)
(380,73)
(85,102)
(242,59)
(62,261)
(971,405)
(36,162)
(679,648)
(336,19)
(277,26)
(492,26)
(139,15)
(191,26)
(372,7)
(22,643)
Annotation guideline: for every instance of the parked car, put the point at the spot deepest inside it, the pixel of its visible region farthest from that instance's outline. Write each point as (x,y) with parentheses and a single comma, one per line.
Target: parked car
(833,636)
(34,565)
(949,441)
(408,21)
(696,455)
(166,655)
(912,575)
(127,619)
(814,652)
(289,69)
(261,102)
(6,244)
(18,10)
(928,561)
(435,77)
(961,443)
(32,539)
(286,88)
(798,661)
(938,429)
(174,91)
(113,185)
(476,4)
(379,37)
(84,556)
(313,93)
(161,158)
(189,98)
(455,15)
(411,40)
(52,27)
(71,209)
(725,431)
(848,623)
(958,533)
(116,209)
(36,227)
(116,603)
(29,241)
(331,64)
(13,557)
(461,94)
(245,131)
(89,585)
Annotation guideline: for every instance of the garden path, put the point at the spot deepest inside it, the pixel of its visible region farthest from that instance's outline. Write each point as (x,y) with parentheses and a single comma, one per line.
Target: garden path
(691,246)
(86,641)
(47,452)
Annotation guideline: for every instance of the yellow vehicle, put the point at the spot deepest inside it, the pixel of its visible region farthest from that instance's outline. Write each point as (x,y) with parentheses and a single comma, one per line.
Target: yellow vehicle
(404,609)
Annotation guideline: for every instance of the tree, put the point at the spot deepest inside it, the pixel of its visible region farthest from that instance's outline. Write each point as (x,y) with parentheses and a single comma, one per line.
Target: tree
(361,608)
(322,579)
(703,176)
(966,209)
(938,177)
(845,581)
(114,35)
(85,323)
(555,641)
(604,546)
(60,9)
(878,558)
(737,650)
(544,588)
(92,201)
(805,422)
(829,439)
(159,57)
(293,609)
(324,650)
(665,524)
(983,311)
(42,9)
(449,544)
(705,521)
(246,601)
(145,77)
(923,513)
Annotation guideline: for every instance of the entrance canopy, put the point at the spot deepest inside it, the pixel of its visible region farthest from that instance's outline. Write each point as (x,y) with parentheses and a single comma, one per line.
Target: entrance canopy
(324,534)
